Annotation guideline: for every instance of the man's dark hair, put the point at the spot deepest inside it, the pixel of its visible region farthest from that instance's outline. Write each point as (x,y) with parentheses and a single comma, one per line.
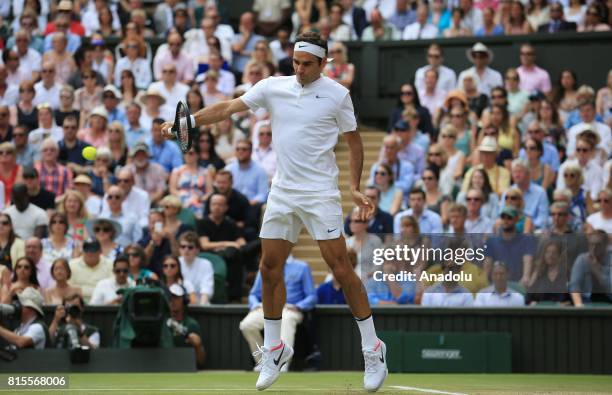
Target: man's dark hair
(70,117)
(158,121)
(313,38)
(417,191)
(191,237)
(374,188)
(224,172)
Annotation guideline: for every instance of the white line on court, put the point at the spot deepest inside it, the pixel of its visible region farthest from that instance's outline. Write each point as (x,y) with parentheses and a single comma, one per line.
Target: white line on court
(402,387)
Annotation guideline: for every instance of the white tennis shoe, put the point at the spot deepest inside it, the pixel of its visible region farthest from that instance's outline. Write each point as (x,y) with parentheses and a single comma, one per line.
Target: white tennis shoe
(375,367)
(271,361)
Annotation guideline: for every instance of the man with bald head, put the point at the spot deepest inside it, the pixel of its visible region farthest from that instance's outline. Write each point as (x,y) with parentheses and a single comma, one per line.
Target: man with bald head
(47,90)
(243,44)
(173,53)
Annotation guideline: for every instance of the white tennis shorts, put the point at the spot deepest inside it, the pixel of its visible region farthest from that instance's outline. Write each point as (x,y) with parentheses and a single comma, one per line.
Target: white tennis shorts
(287,210)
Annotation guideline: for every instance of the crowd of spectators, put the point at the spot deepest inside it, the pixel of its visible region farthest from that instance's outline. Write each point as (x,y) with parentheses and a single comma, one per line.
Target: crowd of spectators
(514,153)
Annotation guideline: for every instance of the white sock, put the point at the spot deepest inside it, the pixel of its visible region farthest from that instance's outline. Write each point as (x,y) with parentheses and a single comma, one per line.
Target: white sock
(272,330)
(368,333)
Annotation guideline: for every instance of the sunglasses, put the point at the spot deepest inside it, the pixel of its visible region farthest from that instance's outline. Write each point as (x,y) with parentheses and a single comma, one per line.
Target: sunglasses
(102,229)
(169,265)
(512,77)
(603,201)
(447,136)
(358,221)
(5,222)
(48,71)
(113,197)
(242,149)
(169,71)
(531,148)
(186,247)
(506,216)
(26,90)
(512,197)
(265,134)
(6,153)
(428,178)
(121,271)
(381,173)
(434,154)
(4,114)
(407,93)
(472,199)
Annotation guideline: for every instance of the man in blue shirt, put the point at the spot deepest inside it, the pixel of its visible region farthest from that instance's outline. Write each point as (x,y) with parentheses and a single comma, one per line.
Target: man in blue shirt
(110,98)
(550,155)
(403,171)
(382,291)
(301,297)
(163,152)
(429,221)
(249,178)
(134,132)
(534,196)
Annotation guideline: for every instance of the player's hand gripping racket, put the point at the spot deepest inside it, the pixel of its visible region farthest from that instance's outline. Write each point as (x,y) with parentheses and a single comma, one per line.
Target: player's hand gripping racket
(184,126)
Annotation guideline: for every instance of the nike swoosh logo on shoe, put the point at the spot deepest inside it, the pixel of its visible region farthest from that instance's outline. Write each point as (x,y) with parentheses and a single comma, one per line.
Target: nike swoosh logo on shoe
(382,357)
(277,361)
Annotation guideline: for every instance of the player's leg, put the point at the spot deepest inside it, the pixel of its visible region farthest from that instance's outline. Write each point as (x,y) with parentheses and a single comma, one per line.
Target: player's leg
(374,350)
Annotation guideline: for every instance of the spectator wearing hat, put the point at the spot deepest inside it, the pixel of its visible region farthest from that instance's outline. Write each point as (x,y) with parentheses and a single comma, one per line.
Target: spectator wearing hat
(32,331)
(534,196)
(131,231)
(192,337)
(65,7)
(93,203)
(149,176)
(28,220)
(163,152)
(47,89)
(24,152)
(499,176)
(485,77)
(96,134)
(46,129)
(54,177)
(170,88)
(137,200)
(137,65)
(105,292)
(532,76)
(106,231)
(421,29)
(499,294)
(89,269)
(71,148)
(173,53)
(515,249)
(153,108)
(38,195)
(447,78)
(110,98)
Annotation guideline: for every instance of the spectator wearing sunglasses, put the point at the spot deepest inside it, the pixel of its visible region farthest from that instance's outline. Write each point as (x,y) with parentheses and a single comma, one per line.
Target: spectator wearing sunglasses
(131,231)
(199,271)
(602,219)
(105,292)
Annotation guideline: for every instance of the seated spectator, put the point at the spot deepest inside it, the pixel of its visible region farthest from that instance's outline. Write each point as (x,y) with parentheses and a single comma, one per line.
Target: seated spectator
(589,122)
(88,269)
(264,154)
(139,265)
(34,251)
(604,101)
(475,221)
(59,54)
(514,199)
(88,97)
(191,334)
(106,232)
(404,15)
(435,200)
(10,171)
(73,206)
(135,132)
(136,199)
(380,29)
(105,292)
(139,66)
(590,278)
(206,151)
(149,176)
(447,293)
(594,20)
(557,22)
(24,276)
(601,219)
(39,196)
(46,129)
(517,98)
(429,221)
(517,23)
(163,152)
(385,292)
(301,297)
(431,96)
(191,183)
(156,243)
(484,77)
(447,79)
(409,98)
(199,271)
(533,78)
(411,149)
(421,29)
(403,171)
(172,274)
(452,172)
(130,231)
(549,280)
(173,53)
(93,203)
(95,134)
(391,196)
(248,177)
(456,28)
(32,331)
(499,294)
(330,292)
(60,272)
(47,89)
(54,177)
(71,148)
(117,145)
(29,220)
(111,96)
(6,129)
(169,87)
(499,177)
(534,196)
(363,242)
(489,27)
(516,250)
(70,313)
(477,101)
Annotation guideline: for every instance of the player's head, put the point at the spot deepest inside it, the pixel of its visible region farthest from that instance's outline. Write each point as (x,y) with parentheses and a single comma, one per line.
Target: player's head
(309,57)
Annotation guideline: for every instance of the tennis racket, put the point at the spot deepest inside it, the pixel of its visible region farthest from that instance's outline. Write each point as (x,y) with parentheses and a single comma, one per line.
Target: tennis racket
(183,128)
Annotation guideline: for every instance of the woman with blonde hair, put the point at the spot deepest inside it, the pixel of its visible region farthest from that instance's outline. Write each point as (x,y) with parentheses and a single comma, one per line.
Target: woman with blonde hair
(514,198)
(173,227)
(581,204)
(453,171)
(263,54)
(72,206)
(10,171)
(340,69)
(117,144)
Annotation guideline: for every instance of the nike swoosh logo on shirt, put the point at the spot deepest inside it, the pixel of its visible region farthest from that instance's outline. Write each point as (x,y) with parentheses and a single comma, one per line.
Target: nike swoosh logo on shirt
(321,97)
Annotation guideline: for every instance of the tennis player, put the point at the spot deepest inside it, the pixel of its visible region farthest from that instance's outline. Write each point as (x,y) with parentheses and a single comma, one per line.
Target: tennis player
(307,112)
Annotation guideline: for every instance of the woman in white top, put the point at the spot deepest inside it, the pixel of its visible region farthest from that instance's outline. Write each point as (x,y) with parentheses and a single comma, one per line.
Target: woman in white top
(575,11)
(58,245)
(453,171)
(139,66)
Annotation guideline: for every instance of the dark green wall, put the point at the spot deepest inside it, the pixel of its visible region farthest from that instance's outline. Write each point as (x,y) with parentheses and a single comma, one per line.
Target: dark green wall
(383,67)
(544,339)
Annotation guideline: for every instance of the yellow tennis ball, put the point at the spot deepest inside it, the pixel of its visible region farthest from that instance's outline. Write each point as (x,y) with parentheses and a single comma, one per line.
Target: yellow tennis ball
(89,153)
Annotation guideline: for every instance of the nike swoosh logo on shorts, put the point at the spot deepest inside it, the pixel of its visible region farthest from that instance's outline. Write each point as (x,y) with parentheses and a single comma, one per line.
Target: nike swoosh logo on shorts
(277,361)
(329,231)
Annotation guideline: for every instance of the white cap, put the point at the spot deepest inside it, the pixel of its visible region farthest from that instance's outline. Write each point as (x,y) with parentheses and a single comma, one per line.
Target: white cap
(177,290)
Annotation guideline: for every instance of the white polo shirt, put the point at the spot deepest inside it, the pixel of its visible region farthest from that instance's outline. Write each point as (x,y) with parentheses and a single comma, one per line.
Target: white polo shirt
(305,123)
(489,297)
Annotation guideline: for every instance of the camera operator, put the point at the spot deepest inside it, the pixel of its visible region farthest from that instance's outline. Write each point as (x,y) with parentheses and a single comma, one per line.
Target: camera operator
(186,330)
(68,328)
(32,331)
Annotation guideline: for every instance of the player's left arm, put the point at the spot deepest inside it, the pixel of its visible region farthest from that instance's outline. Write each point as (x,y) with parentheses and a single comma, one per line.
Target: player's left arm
(353,139)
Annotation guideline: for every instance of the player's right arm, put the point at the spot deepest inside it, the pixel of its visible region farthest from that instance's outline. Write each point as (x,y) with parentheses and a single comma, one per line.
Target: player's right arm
(212,114)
